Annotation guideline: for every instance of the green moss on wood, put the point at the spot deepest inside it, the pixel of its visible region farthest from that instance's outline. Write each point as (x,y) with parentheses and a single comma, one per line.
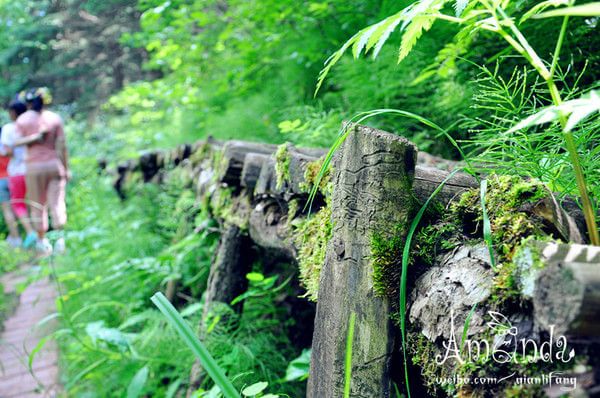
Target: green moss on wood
(225,206)
(386,258)
(506,198)
(310,237)
(311,175)
(282,164)
(423,354)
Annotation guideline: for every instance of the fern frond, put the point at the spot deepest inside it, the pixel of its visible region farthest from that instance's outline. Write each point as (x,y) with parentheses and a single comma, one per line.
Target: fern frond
(363,38)
(333,59)
(459,6)
(374,35)
(445,60)
(418,21)
(383,32)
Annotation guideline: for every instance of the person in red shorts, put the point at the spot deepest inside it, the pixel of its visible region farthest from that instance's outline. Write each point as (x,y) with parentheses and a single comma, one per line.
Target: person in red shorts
(13,238)
(16,176)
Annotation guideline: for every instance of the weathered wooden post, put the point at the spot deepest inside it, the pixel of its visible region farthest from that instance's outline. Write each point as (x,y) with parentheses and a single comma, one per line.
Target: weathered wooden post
(372,195)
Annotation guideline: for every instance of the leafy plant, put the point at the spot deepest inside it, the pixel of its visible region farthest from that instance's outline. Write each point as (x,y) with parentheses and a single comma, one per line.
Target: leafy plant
(189,337)
(498,17)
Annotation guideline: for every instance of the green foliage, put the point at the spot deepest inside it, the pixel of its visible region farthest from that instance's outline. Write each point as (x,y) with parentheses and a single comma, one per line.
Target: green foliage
(311,235)
(191,340)
(299,367)
(71,46)
(386,253)
(498,18)
(8,303)
(348,356)
(112,341)
(282,164)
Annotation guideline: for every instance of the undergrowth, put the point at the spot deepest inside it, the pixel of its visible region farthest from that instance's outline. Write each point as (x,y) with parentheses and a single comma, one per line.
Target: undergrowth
(111,338)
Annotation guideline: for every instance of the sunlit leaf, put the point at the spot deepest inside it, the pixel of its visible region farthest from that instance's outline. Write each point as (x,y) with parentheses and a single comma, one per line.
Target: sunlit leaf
(255,389)
(134,390)
(298,368)
(584,10)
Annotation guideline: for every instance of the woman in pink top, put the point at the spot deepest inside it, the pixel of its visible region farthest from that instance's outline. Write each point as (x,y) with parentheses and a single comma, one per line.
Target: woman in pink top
(47,166)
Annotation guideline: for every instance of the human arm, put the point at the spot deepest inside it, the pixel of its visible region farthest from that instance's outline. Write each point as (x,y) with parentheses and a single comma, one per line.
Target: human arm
(5,141)
(30,139)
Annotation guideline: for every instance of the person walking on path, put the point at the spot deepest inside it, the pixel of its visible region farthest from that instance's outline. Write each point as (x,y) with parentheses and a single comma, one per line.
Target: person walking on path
(47,166)
(16,176)
(13,238)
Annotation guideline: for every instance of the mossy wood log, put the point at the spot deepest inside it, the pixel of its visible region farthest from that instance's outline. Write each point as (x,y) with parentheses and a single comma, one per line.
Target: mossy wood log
(269,227)
(559,293)
(290,180)
(371,196)
(460,279)
(251,170)
(234,156)
(567,224)
(562,280)
(227,278)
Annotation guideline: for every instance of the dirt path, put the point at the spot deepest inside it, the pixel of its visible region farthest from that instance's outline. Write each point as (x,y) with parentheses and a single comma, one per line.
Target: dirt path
(21,335)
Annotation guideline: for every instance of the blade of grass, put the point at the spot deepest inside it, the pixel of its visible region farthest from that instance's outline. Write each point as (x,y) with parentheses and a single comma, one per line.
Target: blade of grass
(189,337)
(404,275)
(466,326)
(487,226)
(348,359)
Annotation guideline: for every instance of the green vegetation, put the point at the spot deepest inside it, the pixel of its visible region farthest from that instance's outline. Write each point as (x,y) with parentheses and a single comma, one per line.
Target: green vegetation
(311,235)
(119,255)
(509,87)
(498,18)
(282,164)
(386,254)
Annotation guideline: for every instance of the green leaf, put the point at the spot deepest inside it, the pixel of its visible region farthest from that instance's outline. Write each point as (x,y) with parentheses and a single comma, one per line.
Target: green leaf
(587,105)
(487,227)
(466,326)
(404,273)
(373,35)
(578,109)
(584,10)
(98,332)
(298,368)
(363,38)
(173,387)
(332,60)
(255,389)
(255,277)
(189,337)
(542,6)
(134,390)
(191,309)
(418,21)
(383,32)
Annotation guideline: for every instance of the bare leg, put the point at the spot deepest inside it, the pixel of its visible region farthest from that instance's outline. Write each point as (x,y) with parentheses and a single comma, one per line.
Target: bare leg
(26,224)
(11,222)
